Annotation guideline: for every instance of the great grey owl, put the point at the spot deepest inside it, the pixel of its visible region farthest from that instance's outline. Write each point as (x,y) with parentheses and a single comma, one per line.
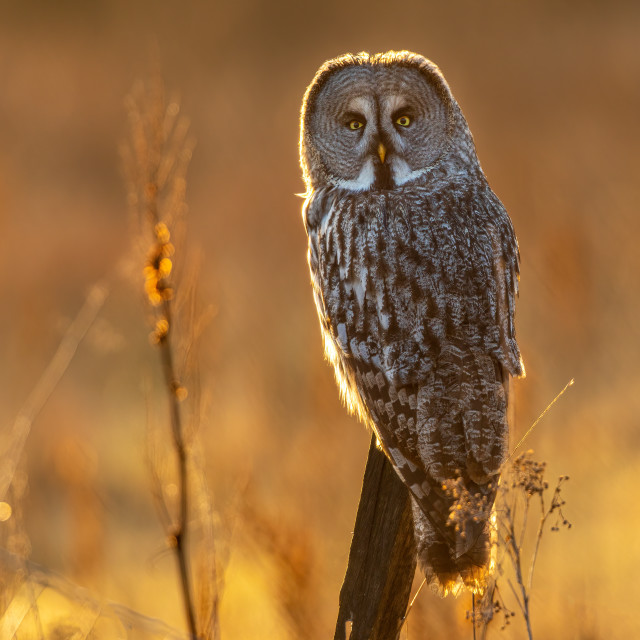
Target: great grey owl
(414,267)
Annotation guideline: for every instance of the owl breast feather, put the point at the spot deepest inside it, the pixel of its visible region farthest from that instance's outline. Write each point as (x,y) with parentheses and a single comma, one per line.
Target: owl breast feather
(398,274)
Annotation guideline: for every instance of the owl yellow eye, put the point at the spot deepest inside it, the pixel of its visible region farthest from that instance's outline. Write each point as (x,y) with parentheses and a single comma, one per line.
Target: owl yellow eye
(356,124)
(403,121)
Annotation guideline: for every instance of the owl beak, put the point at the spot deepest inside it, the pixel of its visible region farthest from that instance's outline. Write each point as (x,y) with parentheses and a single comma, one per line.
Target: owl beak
(382,152)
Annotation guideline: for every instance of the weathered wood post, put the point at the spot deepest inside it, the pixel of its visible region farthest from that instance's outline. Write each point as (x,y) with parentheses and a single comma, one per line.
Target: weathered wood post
(382,559)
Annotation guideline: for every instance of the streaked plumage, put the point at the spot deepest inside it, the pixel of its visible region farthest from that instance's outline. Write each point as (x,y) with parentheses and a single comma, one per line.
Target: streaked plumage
(414,267)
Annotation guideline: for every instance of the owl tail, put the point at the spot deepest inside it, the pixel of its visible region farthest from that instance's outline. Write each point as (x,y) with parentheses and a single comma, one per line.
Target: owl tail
(461,554)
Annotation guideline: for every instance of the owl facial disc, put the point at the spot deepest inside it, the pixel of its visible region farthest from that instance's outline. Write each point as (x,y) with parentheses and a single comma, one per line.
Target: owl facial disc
(371,126)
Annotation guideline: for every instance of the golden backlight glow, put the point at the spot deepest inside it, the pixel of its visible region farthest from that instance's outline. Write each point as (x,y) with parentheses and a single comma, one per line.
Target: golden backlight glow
(557,134)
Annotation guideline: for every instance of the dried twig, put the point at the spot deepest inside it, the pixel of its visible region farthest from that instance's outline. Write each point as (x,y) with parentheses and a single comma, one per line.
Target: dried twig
(48,381)
(155,164)
(524,483)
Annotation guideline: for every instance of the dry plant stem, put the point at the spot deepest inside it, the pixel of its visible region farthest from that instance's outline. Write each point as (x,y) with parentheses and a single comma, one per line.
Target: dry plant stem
(525,484)
(48,381)
(413,600)
(156,161)
(179,530)
(525,517)
(543,518)
(515,594)
(515,556)
(514,550)
(473,609)
(535,424)
(179,534)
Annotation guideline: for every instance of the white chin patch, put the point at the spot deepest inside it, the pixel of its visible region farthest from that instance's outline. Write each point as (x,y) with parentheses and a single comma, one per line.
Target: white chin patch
(401,172)
(361,183)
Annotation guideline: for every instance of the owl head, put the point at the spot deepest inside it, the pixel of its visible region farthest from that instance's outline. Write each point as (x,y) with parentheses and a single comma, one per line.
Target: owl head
(372,122)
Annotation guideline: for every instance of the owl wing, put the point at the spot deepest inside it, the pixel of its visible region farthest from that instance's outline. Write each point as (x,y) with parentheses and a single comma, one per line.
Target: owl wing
(451,277)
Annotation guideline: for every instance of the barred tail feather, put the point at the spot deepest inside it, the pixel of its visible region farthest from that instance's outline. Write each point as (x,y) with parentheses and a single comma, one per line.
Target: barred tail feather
(462,559)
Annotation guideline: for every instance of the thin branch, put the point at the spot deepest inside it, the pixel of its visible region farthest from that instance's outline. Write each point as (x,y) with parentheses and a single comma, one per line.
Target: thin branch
(524,482)
(525,518)
(473,614)
(516,596)
(542,415)
(415,596)
(179,533)
(48,381)
(155,164)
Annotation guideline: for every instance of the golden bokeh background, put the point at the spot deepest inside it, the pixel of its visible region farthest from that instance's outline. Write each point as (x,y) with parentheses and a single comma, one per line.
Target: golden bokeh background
(551,91)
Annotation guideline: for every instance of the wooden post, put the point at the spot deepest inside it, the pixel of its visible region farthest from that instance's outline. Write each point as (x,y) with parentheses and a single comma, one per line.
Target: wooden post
(382,559)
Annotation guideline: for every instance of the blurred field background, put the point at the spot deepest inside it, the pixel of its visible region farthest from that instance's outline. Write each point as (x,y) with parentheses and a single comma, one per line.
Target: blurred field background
(551,90)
